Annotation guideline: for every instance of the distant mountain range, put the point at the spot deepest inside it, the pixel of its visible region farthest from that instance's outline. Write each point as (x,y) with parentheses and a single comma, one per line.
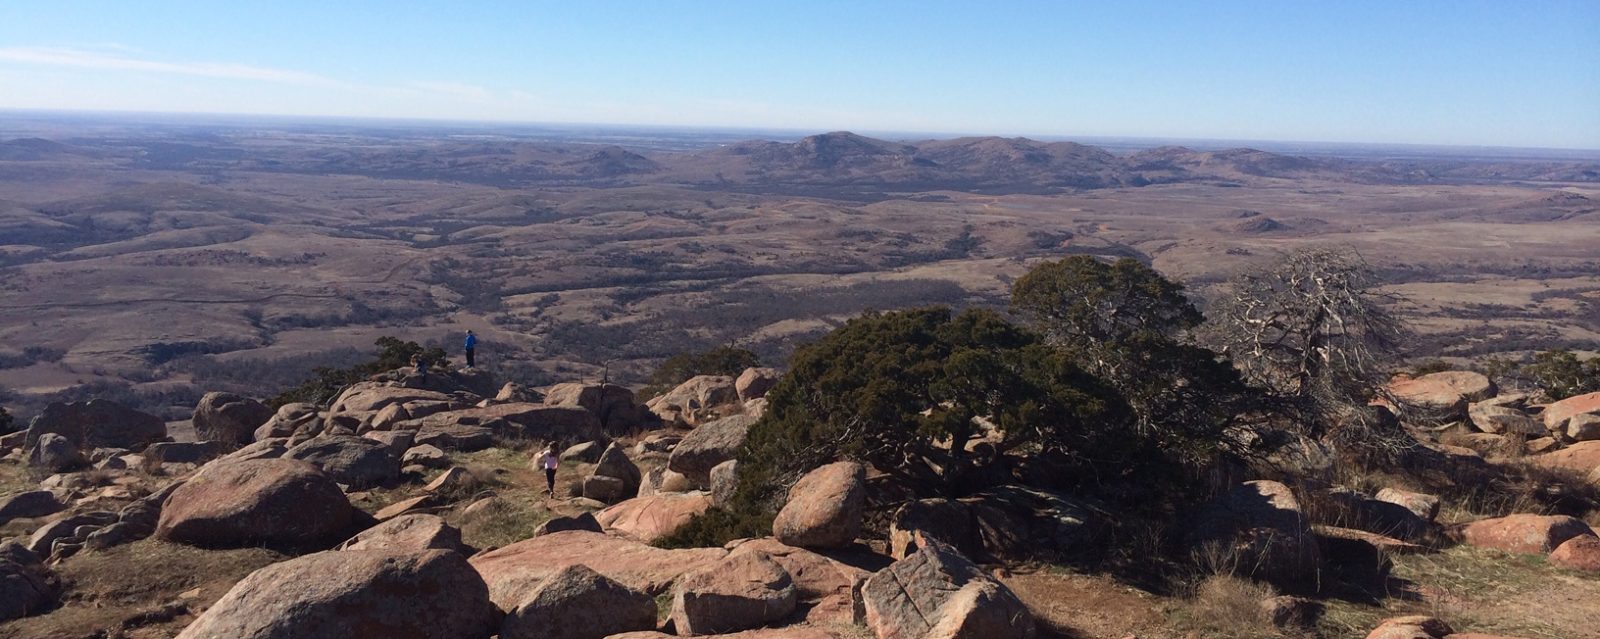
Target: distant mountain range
(839,163)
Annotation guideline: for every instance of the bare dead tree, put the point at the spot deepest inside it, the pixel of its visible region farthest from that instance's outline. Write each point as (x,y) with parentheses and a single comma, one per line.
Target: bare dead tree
(1314,330)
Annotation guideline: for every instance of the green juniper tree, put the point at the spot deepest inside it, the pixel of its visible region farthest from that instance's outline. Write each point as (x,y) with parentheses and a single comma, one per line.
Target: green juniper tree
(1129,325)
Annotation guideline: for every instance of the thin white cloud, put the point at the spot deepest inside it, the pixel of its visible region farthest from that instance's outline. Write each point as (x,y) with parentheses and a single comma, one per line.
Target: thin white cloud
(66,57)
(455,89)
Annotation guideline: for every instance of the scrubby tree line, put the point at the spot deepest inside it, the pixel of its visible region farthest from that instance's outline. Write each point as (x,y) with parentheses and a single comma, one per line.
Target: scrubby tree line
(1105,378)
(1558,373)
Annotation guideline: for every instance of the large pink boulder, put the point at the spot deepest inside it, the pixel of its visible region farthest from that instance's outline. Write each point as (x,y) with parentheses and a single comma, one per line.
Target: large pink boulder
(1579,553)
(1581,458)
(1531,534)
(579,603)
(1557,413)
(259,501)
(824,509)
(371,397)
(619,413)
(754,383)
(698,400)
(650,518)
(357,462)
(740,592)
(937,594)
(431,594)
(228,418)
(824,584)
(708,445)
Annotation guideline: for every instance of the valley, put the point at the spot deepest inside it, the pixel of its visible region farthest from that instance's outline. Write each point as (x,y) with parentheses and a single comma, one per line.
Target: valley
(154,262)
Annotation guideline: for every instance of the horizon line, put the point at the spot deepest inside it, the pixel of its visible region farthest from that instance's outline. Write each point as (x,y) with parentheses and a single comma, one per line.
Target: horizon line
(890,135)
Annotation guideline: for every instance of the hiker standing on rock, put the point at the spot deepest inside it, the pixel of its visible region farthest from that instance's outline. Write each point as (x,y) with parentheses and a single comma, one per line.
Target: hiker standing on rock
(548,460)
(472,348)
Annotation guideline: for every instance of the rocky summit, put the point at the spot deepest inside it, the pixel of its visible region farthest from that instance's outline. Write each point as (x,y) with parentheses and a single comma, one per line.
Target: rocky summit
(916,474)
(638,320)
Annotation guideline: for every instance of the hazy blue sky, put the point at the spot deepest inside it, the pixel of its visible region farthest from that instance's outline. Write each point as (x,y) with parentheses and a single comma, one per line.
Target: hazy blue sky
(1517,72)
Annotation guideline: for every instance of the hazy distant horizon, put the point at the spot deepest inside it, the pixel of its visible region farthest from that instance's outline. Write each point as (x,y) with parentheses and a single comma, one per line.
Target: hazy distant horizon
(706,135)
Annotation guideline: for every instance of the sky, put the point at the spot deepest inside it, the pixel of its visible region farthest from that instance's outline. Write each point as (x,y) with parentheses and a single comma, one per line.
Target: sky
(1520,73)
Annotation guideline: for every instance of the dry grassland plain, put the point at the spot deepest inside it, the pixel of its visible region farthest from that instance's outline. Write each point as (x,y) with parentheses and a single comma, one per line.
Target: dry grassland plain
(165,283)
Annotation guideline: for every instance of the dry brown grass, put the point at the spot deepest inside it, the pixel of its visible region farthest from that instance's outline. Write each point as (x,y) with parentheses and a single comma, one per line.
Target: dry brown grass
(502,522)
(18,477)
(1229,607)
(106,592)
(1478,590)
(1522,487)
(1087,606)
(1512,485)
(519,503)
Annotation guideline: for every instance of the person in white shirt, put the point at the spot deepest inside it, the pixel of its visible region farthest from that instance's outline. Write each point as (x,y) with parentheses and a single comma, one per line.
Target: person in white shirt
(548,460)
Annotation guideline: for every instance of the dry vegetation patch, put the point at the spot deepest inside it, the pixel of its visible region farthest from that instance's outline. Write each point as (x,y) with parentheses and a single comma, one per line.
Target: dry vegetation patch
(1479,590)
(1071,604)
(145,589)
(1224,606)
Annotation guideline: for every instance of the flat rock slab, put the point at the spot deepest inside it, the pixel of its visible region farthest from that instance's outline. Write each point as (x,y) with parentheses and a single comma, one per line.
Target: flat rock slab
(650,518)
(1444,391)
(416,532)
(1530,534)
(1581,458)
(513,571)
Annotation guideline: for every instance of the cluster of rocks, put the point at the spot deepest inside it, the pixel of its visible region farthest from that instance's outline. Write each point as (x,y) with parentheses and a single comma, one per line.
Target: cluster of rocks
(706,398)
(717,411)
(285,479)
(1470,407)
(258,476)
(412,576)
(796,583)
(459,420)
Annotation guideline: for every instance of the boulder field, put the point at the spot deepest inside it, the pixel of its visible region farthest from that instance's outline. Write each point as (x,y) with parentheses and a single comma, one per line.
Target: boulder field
(845,555)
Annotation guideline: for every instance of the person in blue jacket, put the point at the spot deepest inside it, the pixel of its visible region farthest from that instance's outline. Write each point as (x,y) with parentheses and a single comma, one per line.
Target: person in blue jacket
(472,348)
